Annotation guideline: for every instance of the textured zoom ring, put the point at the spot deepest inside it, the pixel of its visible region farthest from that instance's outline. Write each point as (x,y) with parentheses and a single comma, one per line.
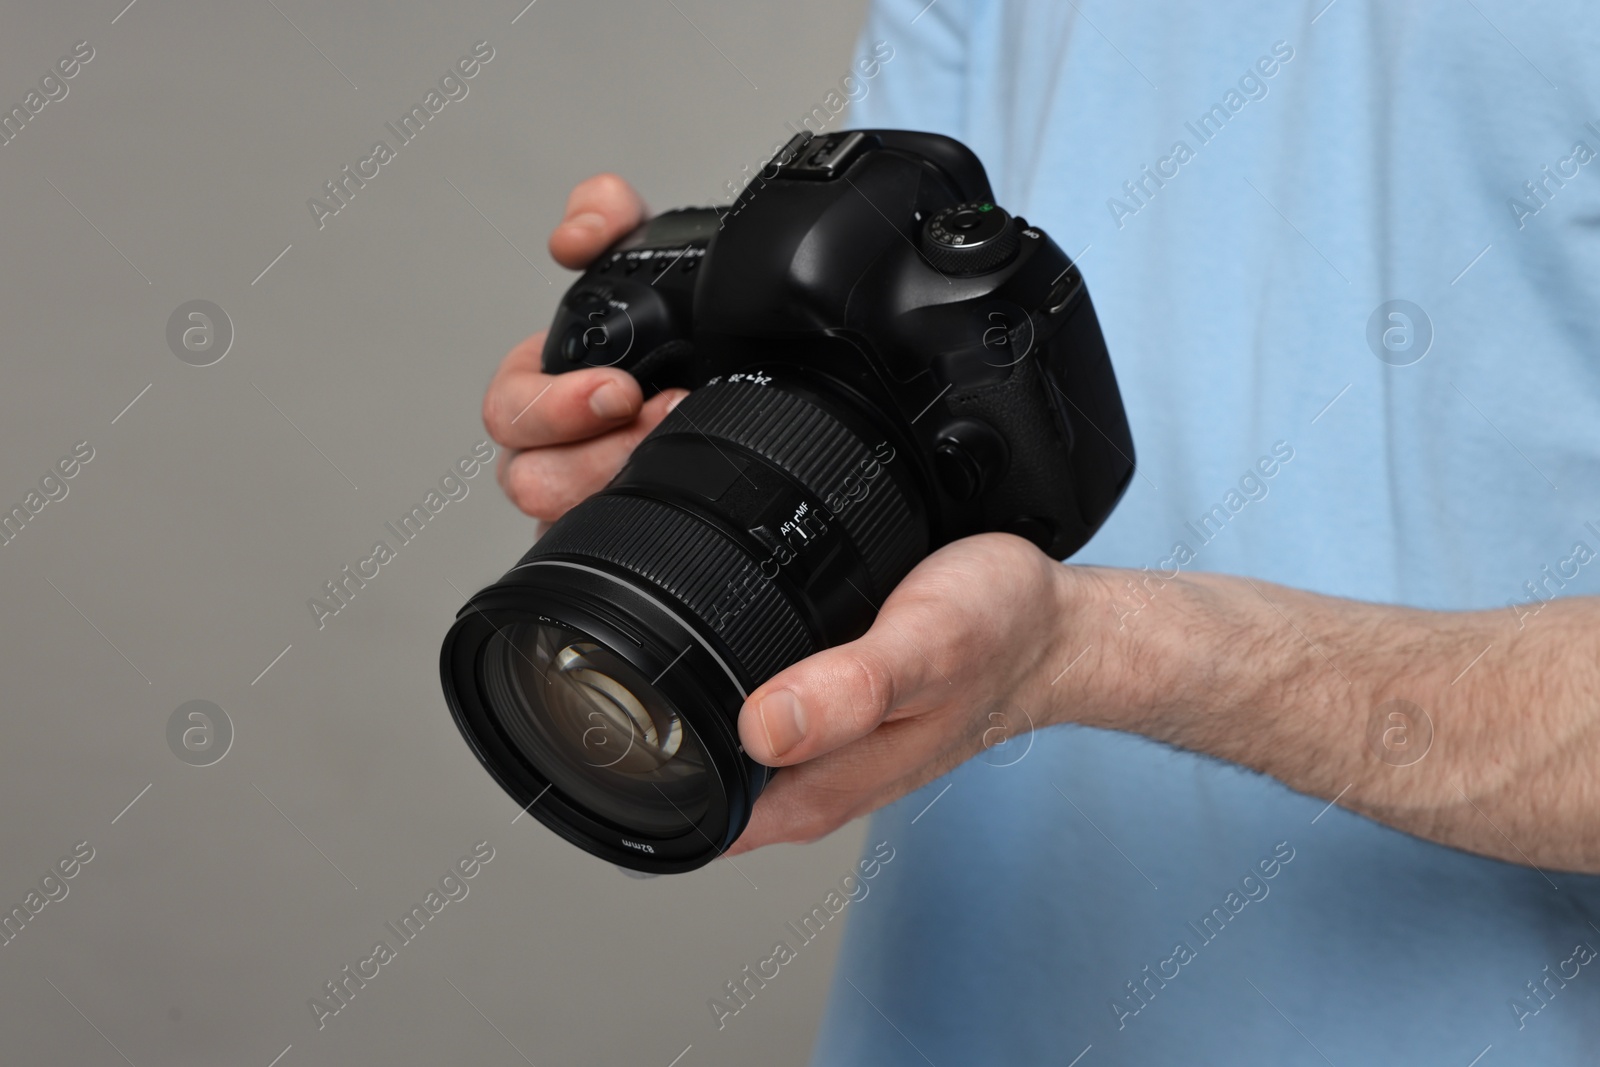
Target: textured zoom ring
(694,562)
(819,452)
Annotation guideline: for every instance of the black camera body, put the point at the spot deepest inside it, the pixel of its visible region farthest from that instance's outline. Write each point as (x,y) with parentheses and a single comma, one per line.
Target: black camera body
(979,344)
(881,360)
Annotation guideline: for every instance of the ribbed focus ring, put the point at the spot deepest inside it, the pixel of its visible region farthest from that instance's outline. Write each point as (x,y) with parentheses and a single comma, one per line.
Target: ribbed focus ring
(696,563)
(823,455)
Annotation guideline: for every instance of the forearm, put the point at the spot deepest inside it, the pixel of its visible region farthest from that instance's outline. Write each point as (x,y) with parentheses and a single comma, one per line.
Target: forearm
(1299,686)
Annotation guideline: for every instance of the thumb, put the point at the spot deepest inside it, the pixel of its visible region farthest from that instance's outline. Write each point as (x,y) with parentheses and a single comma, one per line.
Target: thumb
(834,697)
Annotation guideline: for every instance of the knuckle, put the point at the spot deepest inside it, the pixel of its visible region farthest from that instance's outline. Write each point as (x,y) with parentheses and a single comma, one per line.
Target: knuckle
(528,489)
(608,186)
(509,416)
(494,419)
(870,688)
(532,505)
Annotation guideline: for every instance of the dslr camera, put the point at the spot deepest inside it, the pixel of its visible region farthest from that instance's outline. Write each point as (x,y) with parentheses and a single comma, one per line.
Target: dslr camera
(882,360)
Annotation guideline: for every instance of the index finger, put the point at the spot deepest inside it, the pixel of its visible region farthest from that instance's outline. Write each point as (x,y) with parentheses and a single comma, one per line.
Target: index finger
(599,210)
(527,408)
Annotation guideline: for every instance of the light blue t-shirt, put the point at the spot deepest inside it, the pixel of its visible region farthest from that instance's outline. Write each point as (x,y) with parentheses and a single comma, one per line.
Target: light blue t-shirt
(1252,182)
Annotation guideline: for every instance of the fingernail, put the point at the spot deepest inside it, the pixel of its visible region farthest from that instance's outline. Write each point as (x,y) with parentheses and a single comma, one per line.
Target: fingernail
(608,402)
(587,220)
(783,720)
(675,401)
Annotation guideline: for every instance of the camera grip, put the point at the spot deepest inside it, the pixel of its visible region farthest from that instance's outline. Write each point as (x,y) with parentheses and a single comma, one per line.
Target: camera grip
(1037,498)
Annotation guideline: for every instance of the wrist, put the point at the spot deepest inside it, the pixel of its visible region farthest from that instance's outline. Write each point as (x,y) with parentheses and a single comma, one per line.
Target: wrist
(1165,657)
(1109,668)
(1241,670)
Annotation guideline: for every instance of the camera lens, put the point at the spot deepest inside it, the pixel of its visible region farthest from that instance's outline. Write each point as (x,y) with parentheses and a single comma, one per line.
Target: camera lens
(600,680)
(604,734)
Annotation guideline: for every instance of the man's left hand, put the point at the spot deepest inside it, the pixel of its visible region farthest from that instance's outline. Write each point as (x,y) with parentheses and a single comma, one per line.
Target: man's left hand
(960,657)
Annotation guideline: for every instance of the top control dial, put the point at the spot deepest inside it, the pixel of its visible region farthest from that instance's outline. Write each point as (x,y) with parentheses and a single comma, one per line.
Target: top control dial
(971,238)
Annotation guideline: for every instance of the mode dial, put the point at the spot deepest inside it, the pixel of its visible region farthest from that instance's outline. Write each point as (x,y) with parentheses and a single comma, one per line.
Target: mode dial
(970,238)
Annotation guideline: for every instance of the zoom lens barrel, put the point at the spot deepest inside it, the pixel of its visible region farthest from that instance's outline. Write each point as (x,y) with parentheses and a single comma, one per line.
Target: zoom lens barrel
(600,680)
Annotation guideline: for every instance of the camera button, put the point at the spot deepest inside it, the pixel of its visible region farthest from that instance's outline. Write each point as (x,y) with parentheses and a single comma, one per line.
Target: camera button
(958,472)
(968,455)
(970,238)
(1063,291)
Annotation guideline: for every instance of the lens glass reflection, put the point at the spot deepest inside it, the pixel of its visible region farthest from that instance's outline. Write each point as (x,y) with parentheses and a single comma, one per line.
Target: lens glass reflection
(596,728)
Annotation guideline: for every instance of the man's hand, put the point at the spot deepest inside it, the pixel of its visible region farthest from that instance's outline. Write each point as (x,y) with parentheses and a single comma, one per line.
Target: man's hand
(960,658)
(965,651)
(566,435)
(1477,730)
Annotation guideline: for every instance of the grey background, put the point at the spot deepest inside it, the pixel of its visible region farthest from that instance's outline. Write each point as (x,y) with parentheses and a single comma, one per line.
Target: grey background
(183,556)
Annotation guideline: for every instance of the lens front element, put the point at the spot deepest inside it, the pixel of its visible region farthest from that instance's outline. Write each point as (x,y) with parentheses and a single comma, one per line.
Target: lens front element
(598,729)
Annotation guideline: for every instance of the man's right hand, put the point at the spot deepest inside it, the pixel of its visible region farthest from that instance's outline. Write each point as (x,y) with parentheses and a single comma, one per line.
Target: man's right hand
(566,435)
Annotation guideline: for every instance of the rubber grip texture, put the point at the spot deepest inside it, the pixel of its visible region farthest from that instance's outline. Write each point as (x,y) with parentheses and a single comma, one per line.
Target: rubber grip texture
(822,454)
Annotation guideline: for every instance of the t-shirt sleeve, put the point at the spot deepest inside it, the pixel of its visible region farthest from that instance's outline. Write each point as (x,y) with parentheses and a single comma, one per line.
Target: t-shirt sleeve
(919,52)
